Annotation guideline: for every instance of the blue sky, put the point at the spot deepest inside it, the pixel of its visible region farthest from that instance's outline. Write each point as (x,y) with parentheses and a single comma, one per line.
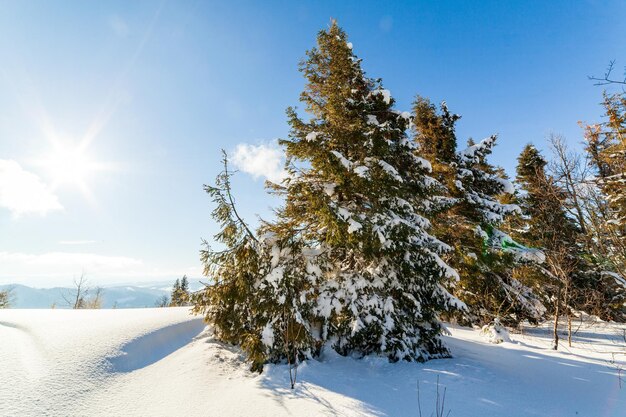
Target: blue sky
(149,92)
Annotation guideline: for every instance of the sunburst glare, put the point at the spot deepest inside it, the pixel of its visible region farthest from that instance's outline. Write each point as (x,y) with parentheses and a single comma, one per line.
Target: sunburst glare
(70,164)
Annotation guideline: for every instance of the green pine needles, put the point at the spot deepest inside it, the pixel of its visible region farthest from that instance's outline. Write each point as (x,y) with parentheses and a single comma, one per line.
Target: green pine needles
(348,262)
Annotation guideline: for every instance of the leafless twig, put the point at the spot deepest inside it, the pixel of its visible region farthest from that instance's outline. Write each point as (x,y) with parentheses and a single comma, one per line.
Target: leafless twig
(606,79)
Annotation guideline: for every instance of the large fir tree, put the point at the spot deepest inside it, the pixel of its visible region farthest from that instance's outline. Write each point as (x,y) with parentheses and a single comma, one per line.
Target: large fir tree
(357,193)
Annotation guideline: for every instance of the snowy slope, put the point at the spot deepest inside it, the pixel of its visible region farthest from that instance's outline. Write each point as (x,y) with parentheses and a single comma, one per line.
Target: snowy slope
(162,362)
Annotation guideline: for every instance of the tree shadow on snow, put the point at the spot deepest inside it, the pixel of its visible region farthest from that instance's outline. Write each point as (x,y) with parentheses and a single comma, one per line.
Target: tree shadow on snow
(480,379)
(152,347)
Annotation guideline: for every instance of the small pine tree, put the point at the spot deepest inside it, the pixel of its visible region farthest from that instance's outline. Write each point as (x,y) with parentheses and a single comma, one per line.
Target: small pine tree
(184,285)
(546,223)
(5,298)
(180,292)
(254,297)
(176,297)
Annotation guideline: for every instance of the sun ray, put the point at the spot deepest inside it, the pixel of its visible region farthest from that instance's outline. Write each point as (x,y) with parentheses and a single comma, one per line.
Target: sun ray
(69,164)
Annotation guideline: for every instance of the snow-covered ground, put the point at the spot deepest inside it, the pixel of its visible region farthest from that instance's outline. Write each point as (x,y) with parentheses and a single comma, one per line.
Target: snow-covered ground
(163,362)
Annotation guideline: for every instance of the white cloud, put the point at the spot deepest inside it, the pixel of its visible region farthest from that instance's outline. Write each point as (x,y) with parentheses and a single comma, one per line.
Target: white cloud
(264,160)
(65,262)
(23,192)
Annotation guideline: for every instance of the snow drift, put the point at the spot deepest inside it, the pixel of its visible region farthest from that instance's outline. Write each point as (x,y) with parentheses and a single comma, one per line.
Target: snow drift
(160,362)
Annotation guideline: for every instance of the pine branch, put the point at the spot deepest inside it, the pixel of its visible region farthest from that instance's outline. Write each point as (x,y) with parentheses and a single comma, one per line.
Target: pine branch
(227,188)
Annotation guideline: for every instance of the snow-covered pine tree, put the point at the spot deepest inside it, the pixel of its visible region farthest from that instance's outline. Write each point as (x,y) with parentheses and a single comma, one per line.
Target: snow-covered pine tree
(348,260)
(228,302)
(606,147)
(469,219)
(487,202)
(356,195)
(286,296)
(255,298)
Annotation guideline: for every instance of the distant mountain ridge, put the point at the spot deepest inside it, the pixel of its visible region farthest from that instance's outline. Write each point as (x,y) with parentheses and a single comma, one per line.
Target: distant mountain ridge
(136,295)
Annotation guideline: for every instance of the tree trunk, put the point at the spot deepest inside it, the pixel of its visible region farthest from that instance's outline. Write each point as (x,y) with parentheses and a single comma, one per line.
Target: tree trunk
(569,327)
(568,312)
(555,344)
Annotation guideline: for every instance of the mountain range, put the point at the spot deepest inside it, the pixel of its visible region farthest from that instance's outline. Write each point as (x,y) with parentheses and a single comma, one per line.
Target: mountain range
(134,295)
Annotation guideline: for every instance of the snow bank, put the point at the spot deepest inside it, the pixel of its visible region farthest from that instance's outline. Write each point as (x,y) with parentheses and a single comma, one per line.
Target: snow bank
(63,363)
(54,359)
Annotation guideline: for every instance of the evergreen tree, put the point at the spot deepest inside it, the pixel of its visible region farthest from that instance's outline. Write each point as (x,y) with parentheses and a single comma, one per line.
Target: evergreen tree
(176,297)
(606,147)
(356,194)
(228,302)
(546,225)
(468,219)
(348,261)
(435,133)
(256,298)
(5,298)
(184,289)
(180,292)
(571,278)
(614,155)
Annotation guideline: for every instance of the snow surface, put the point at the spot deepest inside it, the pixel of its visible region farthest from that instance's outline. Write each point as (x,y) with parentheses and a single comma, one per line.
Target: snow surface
(163,362)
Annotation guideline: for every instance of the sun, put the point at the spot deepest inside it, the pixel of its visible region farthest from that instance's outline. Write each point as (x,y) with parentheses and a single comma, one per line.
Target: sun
(69,166)
(66,162)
